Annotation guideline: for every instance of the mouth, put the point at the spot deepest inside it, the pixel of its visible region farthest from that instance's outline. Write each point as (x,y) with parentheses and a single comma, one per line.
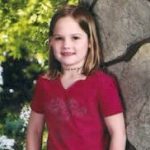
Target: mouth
(67,53)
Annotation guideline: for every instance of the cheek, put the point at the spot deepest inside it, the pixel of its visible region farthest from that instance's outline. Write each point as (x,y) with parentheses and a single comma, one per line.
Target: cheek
(55,48)
(56,53)
(54,44)
(85,47)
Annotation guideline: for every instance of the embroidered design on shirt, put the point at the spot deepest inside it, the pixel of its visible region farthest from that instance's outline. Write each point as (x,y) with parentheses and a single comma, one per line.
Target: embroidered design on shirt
(64,110)
(76,109)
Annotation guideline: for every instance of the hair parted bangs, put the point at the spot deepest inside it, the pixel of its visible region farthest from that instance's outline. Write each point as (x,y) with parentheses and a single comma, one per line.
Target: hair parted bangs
(86,21)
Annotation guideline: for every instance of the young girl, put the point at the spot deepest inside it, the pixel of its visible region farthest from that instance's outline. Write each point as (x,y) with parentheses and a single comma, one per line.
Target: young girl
(78,102)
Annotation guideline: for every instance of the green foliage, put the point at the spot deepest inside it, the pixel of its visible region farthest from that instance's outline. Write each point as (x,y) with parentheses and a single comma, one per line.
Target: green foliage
(14,129)
(25,25)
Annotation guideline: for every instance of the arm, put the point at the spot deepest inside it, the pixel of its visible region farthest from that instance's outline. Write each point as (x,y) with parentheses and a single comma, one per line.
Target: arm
(34,131)
(116,128)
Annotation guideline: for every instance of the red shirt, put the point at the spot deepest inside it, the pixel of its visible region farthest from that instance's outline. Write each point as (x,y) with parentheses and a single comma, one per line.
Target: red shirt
(75,116)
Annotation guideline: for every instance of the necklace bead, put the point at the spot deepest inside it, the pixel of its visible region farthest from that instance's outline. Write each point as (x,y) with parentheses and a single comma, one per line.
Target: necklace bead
(73,69)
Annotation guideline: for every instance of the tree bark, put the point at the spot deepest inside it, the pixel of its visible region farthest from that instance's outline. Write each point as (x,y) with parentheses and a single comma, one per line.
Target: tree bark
(124,29)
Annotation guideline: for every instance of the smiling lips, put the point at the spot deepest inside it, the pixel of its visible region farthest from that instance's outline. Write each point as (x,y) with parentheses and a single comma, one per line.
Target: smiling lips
(67,53)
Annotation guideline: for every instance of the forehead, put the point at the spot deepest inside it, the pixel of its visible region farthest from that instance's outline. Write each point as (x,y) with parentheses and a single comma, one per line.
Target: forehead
(67,24)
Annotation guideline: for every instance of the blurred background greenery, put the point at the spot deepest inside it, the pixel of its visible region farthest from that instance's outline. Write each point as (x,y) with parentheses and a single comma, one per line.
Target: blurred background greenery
(24,28)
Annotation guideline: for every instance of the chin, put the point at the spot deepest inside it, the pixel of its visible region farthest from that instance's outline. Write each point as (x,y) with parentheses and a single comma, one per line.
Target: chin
(68,63)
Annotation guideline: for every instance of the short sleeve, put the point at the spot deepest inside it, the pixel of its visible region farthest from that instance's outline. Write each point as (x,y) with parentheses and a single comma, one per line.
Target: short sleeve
(109,98)
(38,97)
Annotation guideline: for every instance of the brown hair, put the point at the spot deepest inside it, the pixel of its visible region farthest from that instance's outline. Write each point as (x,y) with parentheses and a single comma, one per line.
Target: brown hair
(86,21)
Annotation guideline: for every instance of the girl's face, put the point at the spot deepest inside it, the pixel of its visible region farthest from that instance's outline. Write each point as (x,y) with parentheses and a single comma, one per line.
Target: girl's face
(69,43)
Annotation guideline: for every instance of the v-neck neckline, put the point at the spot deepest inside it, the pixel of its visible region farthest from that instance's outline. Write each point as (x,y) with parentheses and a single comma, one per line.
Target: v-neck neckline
(72,85)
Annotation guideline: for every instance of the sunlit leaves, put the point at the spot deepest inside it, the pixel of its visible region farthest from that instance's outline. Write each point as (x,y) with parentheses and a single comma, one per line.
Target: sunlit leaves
(25,24)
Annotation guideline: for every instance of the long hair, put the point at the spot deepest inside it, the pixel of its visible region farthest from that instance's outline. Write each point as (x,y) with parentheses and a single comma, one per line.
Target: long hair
(86,21)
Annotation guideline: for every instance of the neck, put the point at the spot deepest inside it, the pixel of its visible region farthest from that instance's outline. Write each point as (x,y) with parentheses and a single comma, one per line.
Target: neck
(72,70)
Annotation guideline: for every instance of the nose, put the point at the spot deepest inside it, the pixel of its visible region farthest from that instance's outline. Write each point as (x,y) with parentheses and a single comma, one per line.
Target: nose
(67,43)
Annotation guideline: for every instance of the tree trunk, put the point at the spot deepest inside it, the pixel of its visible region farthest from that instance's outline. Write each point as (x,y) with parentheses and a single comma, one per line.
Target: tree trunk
(124,28)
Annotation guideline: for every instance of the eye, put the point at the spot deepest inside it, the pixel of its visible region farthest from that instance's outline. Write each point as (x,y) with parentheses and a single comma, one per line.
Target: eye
(59,38)
(75,37)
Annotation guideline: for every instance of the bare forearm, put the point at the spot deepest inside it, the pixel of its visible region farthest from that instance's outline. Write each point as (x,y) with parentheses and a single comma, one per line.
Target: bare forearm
(117,131)
(33,142)
(35,131)
(118,142)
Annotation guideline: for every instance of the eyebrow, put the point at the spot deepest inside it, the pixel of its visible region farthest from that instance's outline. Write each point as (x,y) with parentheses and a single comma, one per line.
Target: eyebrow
(79,34)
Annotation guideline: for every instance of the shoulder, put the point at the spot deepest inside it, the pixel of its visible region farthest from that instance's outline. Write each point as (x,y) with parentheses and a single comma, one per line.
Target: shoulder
(44,83)
(105,79)
(103,75)
(43,78)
